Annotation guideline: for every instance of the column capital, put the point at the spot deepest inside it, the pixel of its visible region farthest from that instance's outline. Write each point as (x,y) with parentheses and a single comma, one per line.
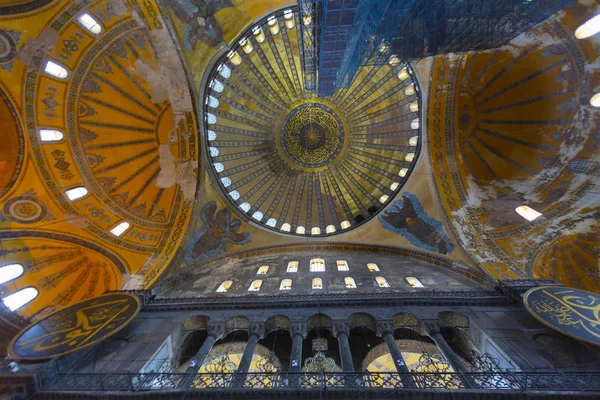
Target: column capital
(384,327)
(299,328)
(431,327)
(256,329)
(340,327)
(216,329)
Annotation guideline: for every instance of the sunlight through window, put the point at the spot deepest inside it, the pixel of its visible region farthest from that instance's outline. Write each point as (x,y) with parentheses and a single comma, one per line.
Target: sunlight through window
(20,298)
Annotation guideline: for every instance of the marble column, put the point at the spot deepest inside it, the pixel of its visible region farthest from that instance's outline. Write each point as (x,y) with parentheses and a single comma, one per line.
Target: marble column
(298,334)
(256,331)
(433,331)
(341,331)
(386,329)
(215,332)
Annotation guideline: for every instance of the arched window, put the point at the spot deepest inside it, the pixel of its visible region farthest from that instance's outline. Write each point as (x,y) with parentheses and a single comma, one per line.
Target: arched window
(345,224)
(589,28)
(56,70)
(317,265)
(51,135)
(226,181)
(394,60)
(263,270)
(214,152)
(403,172)
(342,265)
(120,229)
(414,282)
(414,124)
(410,90)
(286,284)
(330,229)
(595,100)
(414,106)
(212,135)
(271,222)
(409,157)
(10,272)
(224,287)
(403,75)
(288,15)
(317,283)
(258,33)
(245,206)
(349,281)
(382,282)
(372,267)
(76,192)
(212,101)
(20,298)
(394,186)
(286,227)
(257,215)
(528,213)
(235,195)
(211,119)
(216,86)
(246,46)
(292,266)
(413,141)
(315,231)
(234,57)
(89,23)
(273,25)
(384,198)
(224,71)
(255,286)
(219,167)
(300,230)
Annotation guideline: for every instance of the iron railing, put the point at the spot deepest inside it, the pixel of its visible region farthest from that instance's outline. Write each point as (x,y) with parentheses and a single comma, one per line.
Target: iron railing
(512,381)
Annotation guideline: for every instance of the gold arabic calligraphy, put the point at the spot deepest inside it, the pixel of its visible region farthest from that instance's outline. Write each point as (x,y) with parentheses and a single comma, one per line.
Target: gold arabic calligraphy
(89,324)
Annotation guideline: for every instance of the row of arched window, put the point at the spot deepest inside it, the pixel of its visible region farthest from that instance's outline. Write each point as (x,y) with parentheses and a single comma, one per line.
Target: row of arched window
(317,284)
(21,297)
(316,265)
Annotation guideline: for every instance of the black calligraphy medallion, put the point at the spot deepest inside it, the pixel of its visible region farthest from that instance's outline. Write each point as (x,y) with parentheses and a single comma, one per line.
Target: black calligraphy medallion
(75,327)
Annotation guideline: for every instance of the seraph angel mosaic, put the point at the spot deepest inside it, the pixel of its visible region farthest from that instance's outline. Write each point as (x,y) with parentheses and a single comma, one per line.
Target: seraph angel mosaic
(218,230)
(198,20)
(408,218)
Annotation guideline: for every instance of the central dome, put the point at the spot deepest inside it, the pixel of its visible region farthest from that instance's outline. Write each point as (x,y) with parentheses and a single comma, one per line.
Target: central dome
(312,135)
(291,161)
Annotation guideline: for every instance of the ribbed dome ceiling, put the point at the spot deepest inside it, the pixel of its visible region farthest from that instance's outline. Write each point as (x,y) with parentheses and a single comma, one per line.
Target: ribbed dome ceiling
(293,162)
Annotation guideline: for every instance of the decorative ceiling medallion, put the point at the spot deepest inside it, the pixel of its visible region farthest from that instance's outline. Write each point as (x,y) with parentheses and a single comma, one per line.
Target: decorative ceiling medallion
(76,327)
(293,162)
(572,312)
(8,47)
(24,210)
(312,135)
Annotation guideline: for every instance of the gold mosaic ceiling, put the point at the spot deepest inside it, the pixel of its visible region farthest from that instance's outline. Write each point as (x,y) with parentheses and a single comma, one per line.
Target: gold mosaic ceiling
(296,163)
(118,129)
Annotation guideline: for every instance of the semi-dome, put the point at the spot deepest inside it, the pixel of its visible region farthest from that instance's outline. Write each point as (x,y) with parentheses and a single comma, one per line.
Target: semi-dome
(298,163)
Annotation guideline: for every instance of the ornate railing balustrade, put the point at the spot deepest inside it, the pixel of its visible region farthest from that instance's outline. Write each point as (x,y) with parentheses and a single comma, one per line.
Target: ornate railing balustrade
(512,381)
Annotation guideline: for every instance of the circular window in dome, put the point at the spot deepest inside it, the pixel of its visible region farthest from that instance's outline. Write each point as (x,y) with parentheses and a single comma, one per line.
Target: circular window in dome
(297,163)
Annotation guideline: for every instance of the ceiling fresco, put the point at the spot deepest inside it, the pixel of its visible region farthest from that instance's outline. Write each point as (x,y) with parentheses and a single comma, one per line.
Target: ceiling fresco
(514,127)
(128,136)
